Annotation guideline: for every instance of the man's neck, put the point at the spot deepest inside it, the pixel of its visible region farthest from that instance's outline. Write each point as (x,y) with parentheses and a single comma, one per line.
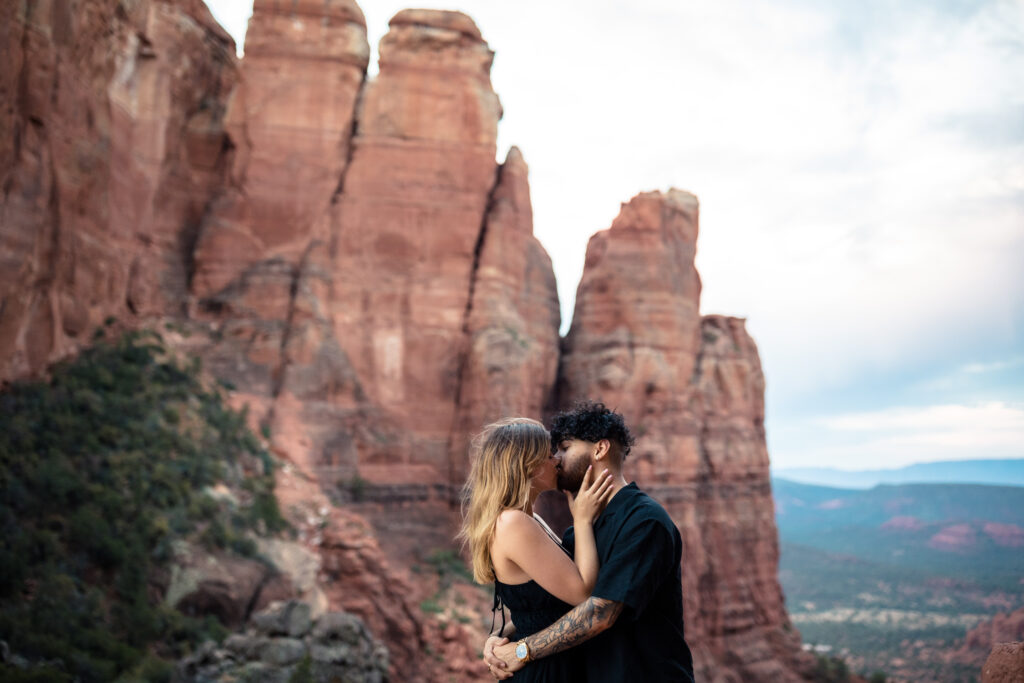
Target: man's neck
(619,483)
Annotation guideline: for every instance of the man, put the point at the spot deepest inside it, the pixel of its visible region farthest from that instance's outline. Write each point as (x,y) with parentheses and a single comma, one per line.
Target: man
(632,624)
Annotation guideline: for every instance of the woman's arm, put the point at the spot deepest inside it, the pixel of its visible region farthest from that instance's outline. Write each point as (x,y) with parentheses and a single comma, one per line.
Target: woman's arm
(520,539)
(585,506)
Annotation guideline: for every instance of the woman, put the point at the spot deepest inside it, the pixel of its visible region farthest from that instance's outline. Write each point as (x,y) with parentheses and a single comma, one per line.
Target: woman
(533,575)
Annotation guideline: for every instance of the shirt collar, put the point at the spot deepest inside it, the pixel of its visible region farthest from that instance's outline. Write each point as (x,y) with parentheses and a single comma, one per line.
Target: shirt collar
(620,499)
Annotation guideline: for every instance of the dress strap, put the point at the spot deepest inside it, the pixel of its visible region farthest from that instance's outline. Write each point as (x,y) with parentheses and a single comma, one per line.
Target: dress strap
(498,605)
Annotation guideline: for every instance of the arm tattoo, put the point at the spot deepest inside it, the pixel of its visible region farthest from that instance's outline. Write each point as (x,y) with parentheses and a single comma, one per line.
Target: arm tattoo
(584,622)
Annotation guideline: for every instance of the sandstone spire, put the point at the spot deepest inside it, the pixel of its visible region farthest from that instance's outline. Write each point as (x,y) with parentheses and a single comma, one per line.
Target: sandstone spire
(693,391)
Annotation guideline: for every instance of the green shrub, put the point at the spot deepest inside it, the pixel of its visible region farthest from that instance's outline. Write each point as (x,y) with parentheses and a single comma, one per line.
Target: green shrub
(102,467)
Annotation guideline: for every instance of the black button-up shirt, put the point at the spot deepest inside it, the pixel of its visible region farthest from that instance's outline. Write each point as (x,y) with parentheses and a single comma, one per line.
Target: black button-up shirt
(640,551)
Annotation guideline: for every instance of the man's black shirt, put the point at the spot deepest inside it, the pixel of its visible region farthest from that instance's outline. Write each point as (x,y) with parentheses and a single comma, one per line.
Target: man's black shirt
(640,551)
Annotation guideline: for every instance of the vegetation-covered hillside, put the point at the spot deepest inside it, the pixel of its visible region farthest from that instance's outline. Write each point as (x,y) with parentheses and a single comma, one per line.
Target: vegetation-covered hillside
(104,467)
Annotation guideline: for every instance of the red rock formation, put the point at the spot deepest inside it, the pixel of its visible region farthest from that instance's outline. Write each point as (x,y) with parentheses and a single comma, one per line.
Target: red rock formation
(351,572)
(512,323)
(404,234)
(351,258)
(994,646)
(290,121)
(1005,664)
(110,149)
(1002,628)
(693,391)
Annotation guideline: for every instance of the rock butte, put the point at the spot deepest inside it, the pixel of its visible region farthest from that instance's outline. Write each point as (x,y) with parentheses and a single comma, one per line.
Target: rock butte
(350,257)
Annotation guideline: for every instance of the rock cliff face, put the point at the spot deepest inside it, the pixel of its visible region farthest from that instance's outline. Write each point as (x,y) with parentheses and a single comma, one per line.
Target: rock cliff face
(1005,664)
(111,146)
(349,256)
(693,391)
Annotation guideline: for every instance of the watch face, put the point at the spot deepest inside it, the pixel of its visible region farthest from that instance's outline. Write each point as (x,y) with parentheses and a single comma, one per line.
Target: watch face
(521,650)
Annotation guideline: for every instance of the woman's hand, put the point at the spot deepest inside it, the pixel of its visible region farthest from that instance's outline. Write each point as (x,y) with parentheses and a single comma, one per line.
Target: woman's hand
(593,495)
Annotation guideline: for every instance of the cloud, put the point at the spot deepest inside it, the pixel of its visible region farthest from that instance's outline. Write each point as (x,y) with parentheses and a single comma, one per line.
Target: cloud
(982,368)
(901,436)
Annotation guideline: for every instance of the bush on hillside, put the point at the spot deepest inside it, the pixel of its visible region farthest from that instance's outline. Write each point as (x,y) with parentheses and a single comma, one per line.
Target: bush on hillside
(102,468)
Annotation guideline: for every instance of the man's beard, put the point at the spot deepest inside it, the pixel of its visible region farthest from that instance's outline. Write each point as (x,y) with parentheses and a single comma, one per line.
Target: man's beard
(571,479)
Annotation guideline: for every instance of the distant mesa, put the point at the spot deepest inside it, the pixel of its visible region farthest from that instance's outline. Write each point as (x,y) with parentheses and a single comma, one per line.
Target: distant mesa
(1006,535)
(955,538)
(903,523)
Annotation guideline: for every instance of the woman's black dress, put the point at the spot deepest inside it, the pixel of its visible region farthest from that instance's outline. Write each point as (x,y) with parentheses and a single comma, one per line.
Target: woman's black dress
(533,609)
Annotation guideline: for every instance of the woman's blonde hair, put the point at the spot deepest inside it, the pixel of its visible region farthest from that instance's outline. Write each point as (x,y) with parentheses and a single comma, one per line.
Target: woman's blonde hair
(506,454)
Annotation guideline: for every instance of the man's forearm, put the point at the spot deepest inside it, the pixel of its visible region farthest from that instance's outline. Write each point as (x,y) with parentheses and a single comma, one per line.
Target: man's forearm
(585,621)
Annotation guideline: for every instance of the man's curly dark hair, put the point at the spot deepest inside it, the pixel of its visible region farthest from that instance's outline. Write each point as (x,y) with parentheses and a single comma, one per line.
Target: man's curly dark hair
(591,421)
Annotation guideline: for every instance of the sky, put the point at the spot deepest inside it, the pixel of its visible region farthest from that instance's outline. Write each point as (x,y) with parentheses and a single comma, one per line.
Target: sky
(860,169)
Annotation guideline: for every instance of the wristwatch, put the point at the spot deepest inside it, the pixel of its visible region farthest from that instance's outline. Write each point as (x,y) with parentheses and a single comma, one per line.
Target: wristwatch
(523,651)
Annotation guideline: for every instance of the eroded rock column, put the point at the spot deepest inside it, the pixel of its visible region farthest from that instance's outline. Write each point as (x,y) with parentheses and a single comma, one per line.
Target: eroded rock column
(511,328)
(692,391)
(290,123)
(404,236)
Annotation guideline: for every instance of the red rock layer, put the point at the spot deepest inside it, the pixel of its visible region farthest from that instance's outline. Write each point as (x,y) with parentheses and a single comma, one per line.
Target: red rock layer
(110,149)
(693,392)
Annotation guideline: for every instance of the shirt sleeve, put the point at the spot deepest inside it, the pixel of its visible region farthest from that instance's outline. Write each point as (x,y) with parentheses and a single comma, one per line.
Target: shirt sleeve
(569,540)
(640,561)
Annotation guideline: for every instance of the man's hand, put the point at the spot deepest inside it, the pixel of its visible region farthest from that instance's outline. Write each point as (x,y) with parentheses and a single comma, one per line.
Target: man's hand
(496,666)
(507,655)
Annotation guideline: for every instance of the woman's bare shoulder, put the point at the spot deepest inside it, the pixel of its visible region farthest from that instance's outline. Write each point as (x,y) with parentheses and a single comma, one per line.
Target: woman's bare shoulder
(513,520)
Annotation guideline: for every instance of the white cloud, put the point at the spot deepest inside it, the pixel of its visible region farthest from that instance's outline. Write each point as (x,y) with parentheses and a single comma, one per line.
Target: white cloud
(981,368)
(901,436)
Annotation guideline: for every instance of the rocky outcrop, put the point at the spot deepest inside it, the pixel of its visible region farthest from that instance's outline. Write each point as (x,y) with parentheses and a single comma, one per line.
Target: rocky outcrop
(1005,664)
(283,642)
(693,391)
(111,146)
(994,639)
(222,584)
(1002,628)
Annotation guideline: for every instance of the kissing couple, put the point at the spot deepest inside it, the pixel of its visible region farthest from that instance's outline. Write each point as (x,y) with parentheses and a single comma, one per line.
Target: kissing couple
(604,602)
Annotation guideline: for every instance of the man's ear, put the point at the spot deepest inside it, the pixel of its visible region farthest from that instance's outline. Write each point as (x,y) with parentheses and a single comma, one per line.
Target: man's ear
(603,447)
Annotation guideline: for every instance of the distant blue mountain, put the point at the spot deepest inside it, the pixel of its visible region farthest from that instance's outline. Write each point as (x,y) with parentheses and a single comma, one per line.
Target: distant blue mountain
(995,472)
(959,530)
